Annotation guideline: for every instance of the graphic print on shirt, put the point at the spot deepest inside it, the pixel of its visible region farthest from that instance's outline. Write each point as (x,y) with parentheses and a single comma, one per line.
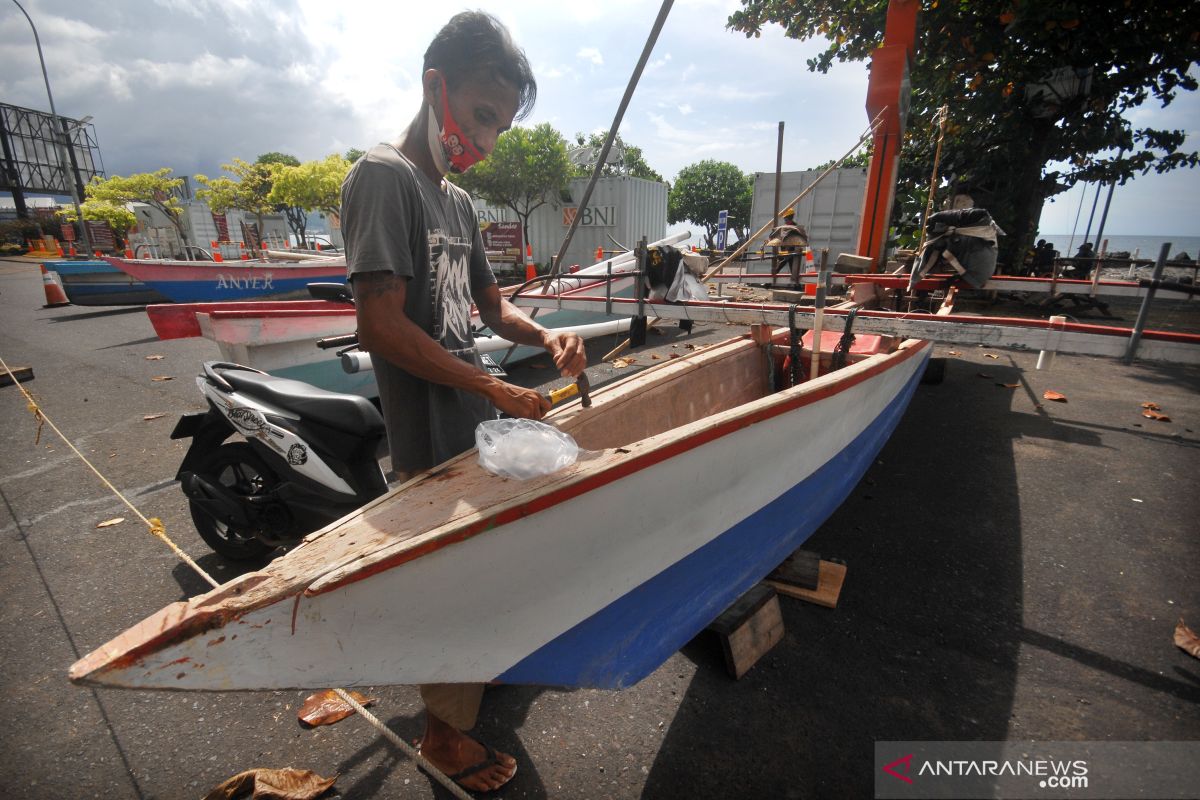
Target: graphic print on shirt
(449,257)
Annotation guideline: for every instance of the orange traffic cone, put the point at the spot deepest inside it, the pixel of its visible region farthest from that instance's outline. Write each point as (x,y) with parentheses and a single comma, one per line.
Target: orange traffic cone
(55,296)
(73,252)
(264,250)
(242,250)
(530,271)
(96,254)
(128,252)
(216,252)
(599,253)
(60,251)
(318,246)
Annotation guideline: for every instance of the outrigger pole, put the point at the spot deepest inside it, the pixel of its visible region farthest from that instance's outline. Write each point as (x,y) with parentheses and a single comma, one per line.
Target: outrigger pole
(1008,332)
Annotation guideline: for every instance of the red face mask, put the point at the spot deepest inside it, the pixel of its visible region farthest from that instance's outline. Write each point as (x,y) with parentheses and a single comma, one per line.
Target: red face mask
(451,148)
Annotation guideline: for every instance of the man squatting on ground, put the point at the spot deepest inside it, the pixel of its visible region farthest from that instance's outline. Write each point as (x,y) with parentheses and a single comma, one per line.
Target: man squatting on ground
(416,259)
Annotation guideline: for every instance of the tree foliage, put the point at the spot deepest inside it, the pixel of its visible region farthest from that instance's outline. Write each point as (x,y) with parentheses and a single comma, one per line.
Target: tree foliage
(354,154)
(1018,134)
(157,189)
(283,159)
(311,186)
(528,167)
(248,190)
(117,215)
(704,189)
(631,163)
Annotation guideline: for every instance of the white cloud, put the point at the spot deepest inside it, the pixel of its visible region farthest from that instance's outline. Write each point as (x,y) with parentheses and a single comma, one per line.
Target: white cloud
(591,54)
(193,83)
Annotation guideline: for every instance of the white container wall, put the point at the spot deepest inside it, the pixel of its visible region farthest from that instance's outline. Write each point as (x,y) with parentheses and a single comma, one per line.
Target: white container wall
(621,210)
(831,213)
(155,228)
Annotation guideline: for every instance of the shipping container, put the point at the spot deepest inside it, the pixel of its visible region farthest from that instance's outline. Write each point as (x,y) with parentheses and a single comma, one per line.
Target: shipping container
(831,213)
(620,212)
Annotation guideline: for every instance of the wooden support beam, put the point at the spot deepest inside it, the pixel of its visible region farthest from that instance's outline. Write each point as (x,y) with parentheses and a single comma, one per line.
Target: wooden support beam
(749,629)
(831,576)
(801,569)
(22,375)
(1021,334)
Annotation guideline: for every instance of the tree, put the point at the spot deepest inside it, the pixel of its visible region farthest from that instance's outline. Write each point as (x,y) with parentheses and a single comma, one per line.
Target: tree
(283,159)
(354,154)
(248,190)
(118,216)
(704,189)
(1039,93)
(297,218)
(632,162)
(156,189)
(527,166)
(311,186)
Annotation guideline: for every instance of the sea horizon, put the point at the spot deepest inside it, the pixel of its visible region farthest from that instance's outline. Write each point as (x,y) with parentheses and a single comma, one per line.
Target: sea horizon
(1147,245)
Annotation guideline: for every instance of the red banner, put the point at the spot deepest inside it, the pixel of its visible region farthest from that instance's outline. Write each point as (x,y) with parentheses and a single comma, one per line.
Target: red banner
(502,239)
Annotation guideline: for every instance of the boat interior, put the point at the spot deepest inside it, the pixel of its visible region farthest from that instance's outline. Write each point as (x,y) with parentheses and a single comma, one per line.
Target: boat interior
(710,381)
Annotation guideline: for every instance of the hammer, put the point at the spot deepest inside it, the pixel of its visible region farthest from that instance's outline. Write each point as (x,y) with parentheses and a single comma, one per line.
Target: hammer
(580,387)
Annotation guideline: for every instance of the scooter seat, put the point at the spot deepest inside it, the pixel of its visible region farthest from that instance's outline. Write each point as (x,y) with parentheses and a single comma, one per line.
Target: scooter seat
(344,412)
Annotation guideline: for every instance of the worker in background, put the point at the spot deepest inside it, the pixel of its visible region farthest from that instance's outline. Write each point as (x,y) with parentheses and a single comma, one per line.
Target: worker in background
(416,261)
(791,240)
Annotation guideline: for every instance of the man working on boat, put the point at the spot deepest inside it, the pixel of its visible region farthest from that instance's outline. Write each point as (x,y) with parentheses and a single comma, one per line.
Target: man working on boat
(416,260)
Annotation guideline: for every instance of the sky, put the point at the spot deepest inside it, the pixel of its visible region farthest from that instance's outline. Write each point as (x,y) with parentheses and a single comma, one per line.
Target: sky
(191,84)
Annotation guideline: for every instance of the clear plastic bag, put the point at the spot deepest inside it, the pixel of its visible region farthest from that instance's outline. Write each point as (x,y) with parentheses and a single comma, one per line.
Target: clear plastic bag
(523,448)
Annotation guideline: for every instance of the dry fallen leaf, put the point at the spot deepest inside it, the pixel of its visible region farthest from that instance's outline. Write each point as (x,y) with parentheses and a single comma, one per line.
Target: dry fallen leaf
(149,417)
(989,355)
(1151,414)
(690,346)
(1057,397)
(656,357)
(163,378)
(155,358)
(273,784)
(1009,385)
(108,523)
(1186,639)
(953,353)
(674,355)
(1152,406)
(621,363)
(326,708)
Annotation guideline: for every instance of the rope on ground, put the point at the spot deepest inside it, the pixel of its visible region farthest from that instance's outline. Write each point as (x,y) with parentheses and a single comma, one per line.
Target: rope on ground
(154,524)
(404,746)
(159,530)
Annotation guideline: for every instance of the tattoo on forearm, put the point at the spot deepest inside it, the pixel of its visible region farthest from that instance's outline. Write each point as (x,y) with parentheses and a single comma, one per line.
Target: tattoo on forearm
(375,284)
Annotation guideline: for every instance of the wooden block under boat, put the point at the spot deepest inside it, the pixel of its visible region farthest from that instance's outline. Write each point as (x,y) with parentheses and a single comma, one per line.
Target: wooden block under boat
(829,588)
(21,374)
(748,629)
(802,569)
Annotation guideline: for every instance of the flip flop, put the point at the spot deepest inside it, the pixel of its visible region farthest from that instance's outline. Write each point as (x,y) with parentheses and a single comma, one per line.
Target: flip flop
(492,760)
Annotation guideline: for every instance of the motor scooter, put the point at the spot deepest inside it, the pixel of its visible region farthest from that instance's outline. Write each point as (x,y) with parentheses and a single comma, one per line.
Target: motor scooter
(309,457)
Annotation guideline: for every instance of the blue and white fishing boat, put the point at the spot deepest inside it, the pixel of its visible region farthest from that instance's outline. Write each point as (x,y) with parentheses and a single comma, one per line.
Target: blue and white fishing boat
(95,282)
(213,281)
(698,478)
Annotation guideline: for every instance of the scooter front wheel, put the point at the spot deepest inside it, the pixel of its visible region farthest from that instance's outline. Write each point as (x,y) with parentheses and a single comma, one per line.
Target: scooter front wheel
(240,470)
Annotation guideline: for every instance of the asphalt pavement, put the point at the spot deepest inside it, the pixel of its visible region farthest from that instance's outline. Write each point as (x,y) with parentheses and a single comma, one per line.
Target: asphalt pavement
(1016,568)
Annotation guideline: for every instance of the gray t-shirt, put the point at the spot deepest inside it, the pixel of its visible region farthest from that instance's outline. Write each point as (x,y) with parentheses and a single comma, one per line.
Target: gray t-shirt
(394,218)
